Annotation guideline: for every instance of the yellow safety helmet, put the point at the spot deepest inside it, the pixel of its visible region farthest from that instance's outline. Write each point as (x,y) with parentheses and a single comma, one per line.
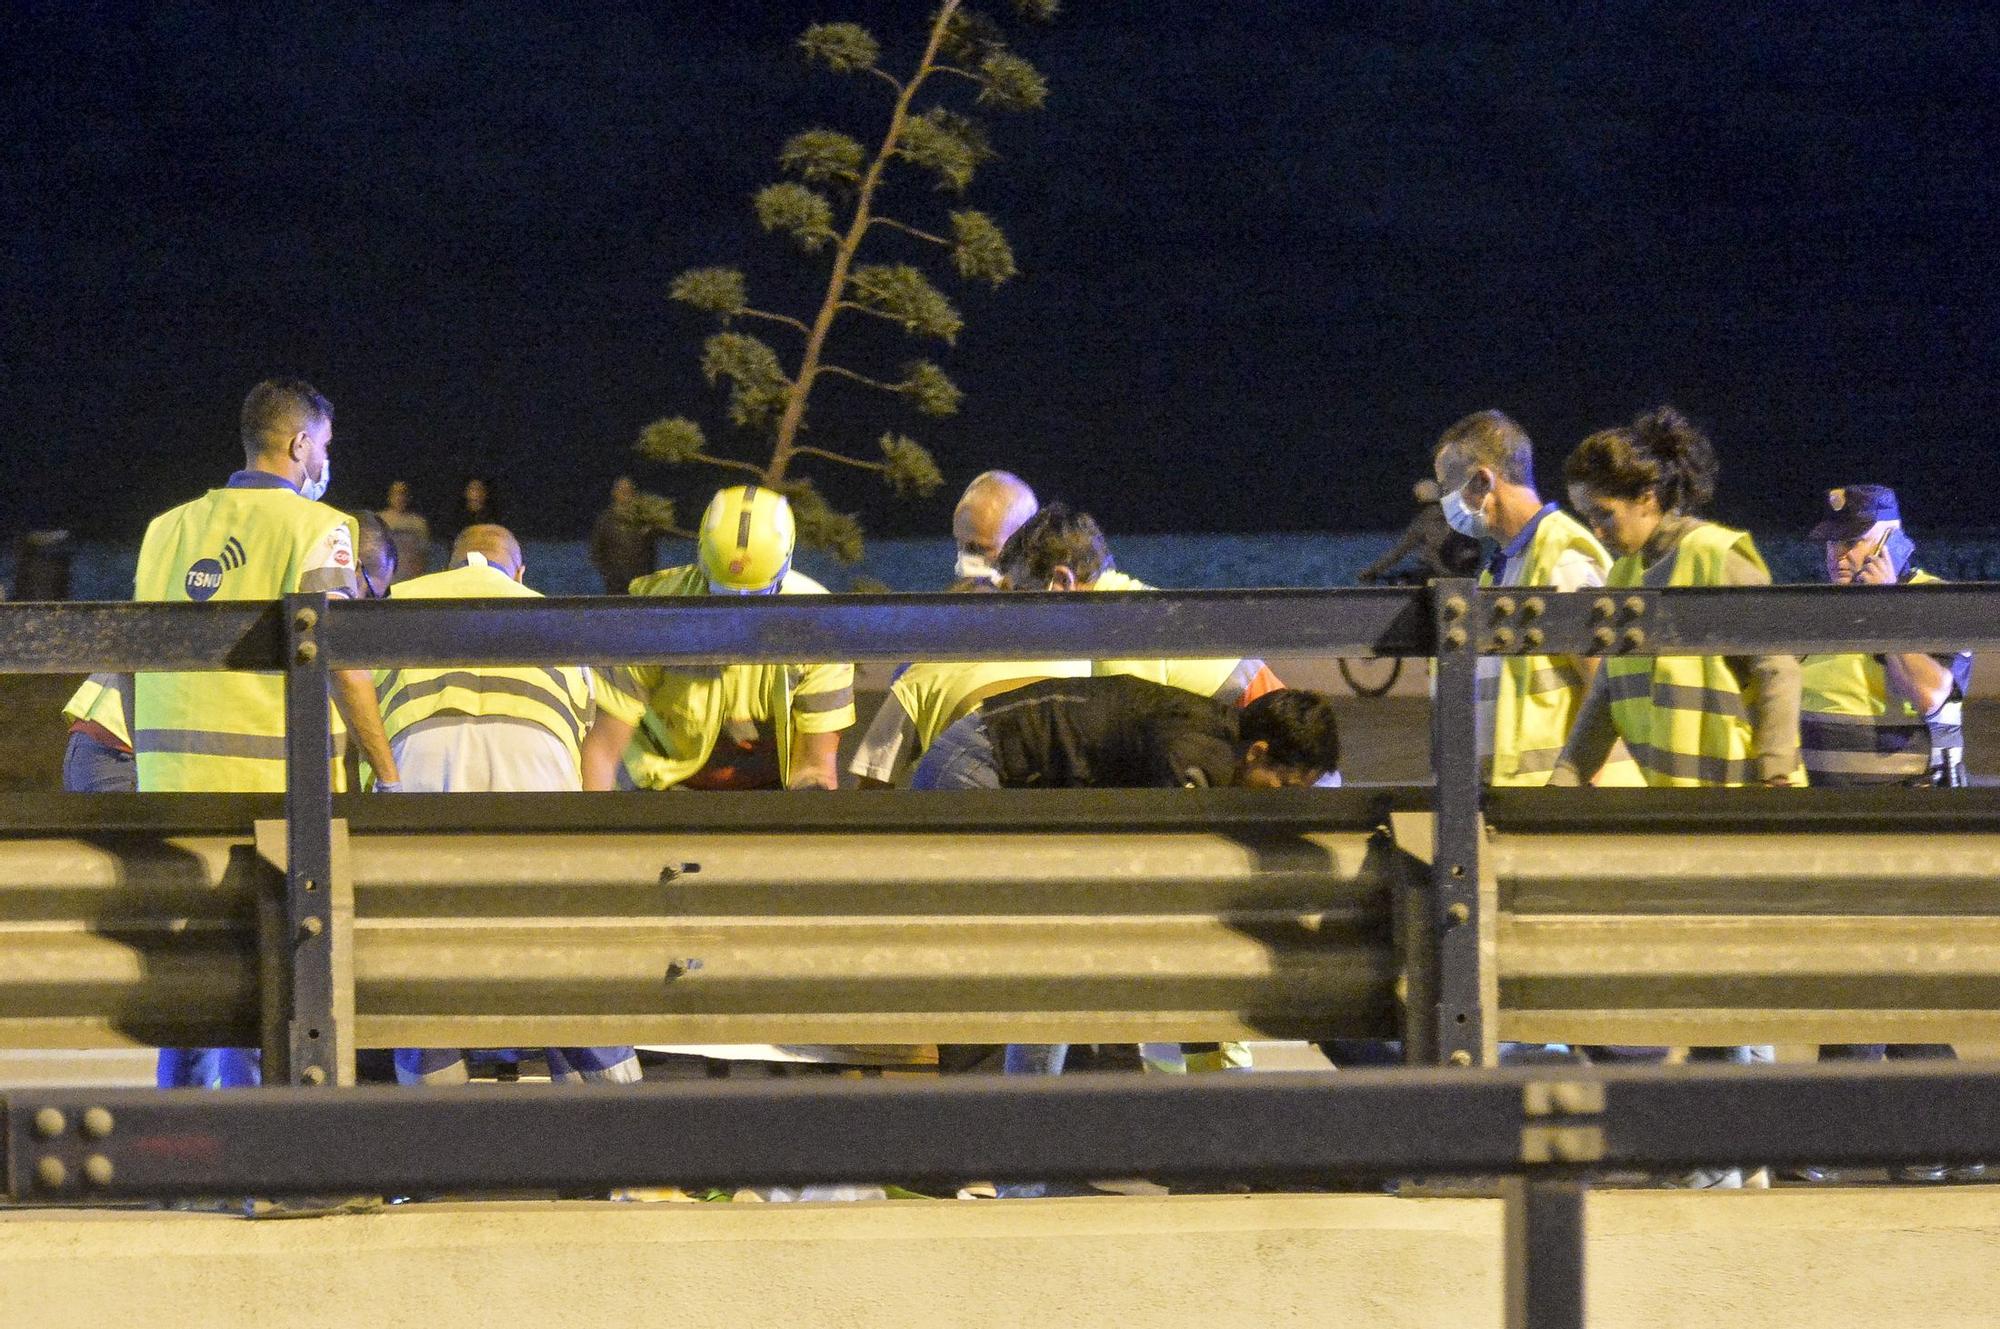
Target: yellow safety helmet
(747,537)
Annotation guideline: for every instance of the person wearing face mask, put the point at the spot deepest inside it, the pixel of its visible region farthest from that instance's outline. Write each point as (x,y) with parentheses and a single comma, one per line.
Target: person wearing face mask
(749,726)
(991,509)
(1485,468)
(262,535)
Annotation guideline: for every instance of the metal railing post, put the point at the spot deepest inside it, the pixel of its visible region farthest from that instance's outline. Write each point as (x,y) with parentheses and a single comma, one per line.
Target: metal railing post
(1545,1256)
(1459,1034)
(316,1038)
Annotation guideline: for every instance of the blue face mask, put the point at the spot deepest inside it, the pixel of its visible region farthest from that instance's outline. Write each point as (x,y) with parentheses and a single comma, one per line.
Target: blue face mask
(1467,521)
(315,489)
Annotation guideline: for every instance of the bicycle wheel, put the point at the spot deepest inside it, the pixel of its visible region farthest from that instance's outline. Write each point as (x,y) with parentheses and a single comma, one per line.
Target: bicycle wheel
(1374,681)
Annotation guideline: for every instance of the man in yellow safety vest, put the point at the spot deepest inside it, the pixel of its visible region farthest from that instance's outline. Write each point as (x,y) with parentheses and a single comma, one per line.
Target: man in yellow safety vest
(262,535)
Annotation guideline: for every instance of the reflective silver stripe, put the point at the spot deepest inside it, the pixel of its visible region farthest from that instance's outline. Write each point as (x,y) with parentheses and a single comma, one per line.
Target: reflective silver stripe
(329,580)
(1232,689)
(815,702)
(1674,696)
(624,681)
(1534,761)
(473,681)
(215,743)
(1829,761)
(1851,733)
(448,719)
(1687,766)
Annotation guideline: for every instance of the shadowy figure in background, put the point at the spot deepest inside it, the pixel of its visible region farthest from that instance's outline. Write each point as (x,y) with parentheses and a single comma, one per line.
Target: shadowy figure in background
(1440,551)
(624,546)
(410,531)
(479,506)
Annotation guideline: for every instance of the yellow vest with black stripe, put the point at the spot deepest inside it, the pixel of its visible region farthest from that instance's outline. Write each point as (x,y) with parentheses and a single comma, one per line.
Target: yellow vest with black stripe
(1683,716)
(1225,680)
(1528,703)
(104,699)
(225,731)
(556,698)
(936,694)
(1853,730)
(678,732)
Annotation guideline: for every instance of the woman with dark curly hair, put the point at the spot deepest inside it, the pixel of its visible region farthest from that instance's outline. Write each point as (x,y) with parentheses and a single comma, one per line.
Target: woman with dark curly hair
(1689,720)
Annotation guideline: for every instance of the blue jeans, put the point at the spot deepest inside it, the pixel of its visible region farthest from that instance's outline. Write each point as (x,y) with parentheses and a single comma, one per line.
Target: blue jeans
(89,767)
(961,758)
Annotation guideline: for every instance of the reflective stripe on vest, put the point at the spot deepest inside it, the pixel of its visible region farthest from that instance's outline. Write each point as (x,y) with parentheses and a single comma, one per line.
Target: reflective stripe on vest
(1851,731)
(553,698)
(1682,716)
(1527,703)
(224,731)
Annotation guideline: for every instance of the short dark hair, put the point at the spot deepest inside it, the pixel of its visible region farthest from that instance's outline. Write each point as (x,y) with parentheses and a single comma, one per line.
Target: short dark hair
(1661,451)
(1298,725)
(278,408)
(1055,537)
(374,546)
(1491,438)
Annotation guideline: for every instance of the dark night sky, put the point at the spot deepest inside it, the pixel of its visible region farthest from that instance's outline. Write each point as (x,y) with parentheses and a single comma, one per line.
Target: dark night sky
(1268,250)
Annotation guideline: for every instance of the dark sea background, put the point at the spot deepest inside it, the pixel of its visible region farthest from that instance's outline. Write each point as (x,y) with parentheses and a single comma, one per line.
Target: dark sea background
(103,570)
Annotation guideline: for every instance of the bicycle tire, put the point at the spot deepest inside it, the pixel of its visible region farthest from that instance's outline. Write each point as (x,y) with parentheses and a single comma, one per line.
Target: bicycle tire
(1371,690)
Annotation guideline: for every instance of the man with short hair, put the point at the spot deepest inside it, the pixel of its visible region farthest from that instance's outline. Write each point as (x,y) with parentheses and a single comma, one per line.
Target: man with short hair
(262,535)
(497,729)
(993,507)
(1060,549)
(1485,465)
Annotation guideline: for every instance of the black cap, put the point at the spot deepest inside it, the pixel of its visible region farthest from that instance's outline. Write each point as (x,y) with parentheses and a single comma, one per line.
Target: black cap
(1851,512)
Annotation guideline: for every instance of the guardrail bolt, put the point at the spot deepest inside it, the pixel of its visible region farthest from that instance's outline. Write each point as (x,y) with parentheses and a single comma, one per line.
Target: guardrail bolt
(682,968)
(98,1123)
(306,620)
(1635,606)
(1601,638)
(313,1075)
(97,1170)
(311,926)
(1603,606)
(51,1173)
(1461,1058)
(1455,607)
(306,653)
(1503,639)
(1460,912)
(1632,639)
(1533,607)
(50,1122)
(1504,607)
(1455,638)
(1533,638)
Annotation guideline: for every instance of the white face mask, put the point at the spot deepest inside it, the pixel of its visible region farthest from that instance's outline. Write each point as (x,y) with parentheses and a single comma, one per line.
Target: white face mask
(1466,521)
(316,489)
(975,567)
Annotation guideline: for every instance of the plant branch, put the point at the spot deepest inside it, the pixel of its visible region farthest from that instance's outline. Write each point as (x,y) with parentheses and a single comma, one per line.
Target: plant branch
(862,378)
(909,230)
(807,450)
(887,77)
(785,319)
(728,463)
(954,69)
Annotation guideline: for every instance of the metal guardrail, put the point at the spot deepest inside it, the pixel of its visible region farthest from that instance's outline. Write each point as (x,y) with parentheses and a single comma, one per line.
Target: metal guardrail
(1465,957)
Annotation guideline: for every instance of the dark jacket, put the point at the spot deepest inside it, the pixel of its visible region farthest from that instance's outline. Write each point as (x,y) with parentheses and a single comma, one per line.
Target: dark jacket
(1111,732)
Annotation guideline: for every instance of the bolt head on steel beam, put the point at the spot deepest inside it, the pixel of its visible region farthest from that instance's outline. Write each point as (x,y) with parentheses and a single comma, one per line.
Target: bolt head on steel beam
(50,1122)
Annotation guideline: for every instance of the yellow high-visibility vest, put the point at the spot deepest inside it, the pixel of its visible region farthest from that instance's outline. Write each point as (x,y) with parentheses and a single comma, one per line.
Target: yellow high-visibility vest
(934,694)
(1528,703)
(225,731)
(557,698)
(1853,730)
(1225,680)
(678,713)
(1683,716)
(104,699)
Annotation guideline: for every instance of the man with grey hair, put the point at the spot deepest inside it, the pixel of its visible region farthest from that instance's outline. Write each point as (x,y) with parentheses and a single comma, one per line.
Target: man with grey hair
(992,508)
